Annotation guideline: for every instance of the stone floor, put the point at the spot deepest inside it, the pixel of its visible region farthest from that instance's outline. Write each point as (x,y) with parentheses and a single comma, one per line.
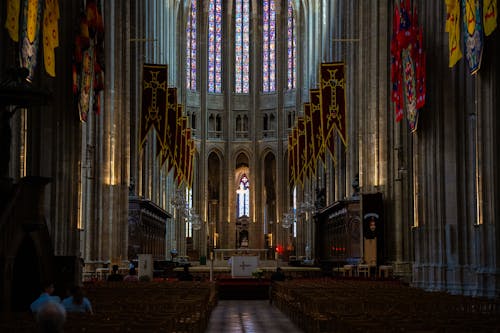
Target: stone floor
(249,316)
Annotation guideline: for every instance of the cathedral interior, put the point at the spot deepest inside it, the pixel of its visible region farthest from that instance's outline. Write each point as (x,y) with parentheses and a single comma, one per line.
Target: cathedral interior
(408,178)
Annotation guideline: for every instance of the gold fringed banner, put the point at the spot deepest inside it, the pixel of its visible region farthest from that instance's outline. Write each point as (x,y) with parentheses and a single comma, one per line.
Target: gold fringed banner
(12,20)
(154,101)
(169,133)
(301,149)
(190,159)
(332,92)
(309,134)
(295,154)
(291,158)
(318,149)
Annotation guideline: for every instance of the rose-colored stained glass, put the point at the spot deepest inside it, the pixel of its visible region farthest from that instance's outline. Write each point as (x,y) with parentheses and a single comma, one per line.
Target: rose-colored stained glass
(215,46)
(242,46)
(292,48)
(269,46)
(191,47)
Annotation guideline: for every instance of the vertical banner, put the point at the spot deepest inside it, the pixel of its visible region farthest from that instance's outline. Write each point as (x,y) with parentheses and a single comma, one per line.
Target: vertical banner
(473,34)
(332,92)
(88,66)
(190,161)
(301,149)
(408,65)
(12,19)
(318,150)
(490,16)
(50,35)
(169,131)
(180,147)
(453,29)
(310,163)
(291,158)
(154,101)
(31,16)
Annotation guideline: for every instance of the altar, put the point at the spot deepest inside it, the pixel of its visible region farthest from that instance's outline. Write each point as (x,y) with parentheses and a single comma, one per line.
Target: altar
(243,266)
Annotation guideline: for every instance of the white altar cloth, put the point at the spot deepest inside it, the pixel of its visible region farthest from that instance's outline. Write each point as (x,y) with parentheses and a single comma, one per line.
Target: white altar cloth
(243,266)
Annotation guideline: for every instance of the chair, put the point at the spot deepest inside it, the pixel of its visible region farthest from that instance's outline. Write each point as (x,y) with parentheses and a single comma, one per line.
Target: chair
(349,270)
(385,271)
(364,270)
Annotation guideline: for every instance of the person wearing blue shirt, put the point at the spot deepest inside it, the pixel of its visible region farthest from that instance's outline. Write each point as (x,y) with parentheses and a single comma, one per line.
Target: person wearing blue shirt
(77,302)
(45,296)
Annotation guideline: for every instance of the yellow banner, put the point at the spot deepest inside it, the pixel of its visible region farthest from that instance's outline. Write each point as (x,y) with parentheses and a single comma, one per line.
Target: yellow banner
(489,16)
(12,20)
(453,29)
(50,35)
(32,18)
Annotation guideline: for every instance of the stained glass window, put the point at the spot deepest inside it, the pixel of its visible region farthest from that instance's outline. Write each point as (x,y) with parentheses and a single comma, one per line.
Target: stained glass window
(242,46)
(215,46)
(269,46)
(292,47)
(191,47)
(243,196)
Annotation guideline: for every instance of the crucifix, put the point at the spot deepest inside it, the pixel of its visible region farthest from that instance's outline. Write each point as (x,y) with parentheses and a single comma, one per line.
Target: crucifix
(243,265)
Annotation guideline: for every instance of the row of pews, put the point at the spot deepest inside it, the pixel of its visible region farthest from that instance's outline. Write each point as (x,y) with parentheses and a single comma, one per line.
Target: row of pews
(335,305)
(178,306)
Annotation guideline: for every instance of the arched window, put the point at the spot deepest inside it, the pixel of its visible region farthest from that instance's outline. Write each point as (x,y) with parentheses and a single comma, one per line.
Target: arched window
(242,46)
(269,46)
(243,194)
(191,47)
(215,46)
(292,47)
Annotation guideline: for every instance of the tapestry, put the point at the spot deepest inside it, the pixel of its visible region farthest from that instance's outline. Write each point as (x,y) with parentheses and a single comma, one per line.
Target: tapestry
(154,101)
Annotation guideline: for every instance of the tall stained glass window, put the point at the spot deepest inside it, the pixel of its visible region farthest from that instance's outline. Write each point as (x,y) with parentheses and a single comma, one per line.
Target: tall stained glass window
(243,193)
(191,47)
(269,46)
(292,47)
(215,46)
(242,46)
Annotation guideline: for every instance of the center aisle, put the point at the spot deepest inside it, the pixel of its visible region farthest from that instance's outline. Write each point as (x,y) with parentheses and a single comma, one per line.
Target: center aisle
(249,316)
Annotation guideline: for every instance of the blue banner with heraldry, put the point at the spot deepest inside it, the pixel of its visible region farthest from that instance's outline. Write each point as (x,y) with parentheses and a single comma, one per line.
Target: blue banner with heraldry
(473,34)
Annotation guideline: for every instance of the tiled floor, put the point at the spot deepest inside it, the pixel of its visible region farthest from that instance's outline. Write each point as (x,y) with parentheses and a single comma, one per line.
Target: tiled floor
(248,316)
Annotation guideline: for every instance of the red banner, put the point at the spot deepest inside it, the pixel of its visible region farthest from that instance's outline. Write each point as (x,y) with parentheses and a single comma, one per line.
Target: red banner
(301,149)
(291,158)
(309,133)
(315,101)
(154,101)
(170,131)
(332,92)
